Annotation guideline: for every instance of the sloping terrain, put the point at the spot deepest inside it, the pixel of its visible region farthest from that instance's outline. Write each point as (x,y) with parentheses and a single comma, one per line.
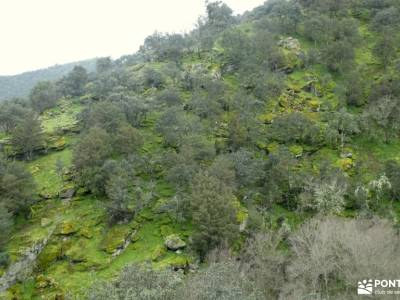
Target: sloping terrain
(246,127)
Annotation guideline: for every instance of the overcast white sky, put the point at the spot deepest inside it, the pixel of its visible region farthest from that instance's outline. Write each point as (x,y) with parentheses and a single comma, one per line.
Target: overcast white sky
(40,33)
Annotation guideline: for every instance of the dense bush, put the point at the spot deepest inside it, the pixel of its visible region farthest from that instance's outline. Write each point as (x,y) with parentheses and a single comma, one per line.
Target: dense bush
(43,96)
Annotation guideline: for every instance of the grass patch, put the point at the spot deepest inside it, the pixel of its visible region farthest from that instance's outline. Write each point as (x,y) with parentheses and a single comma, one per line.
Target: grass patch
(44,172)
(64,116)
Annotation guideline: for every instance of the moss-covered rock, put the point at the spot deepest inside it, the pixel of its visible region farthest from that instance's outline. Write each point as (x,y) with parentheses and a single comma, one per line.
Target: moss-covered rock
(49,254)
(179,263)
(291,44)
(267,118)
(174,242)
(57,143)
(88,265)
(43,282)
(345,164)
(315,105)
(76,253)
(67,193)
(66,228)
(158,253)
(86,232)
(115,238)
(296,150)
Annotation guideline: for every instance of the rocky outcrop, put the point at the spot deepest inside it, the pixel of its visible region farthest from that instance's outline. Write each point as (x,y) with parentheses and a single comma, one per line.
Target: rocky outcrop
(291,44)
(22,268)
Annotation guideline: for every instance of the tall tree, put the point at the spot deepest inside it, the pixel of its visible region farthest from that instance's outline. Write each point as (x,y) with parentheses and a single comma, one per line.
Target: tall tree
(17,187)
(43,96)
(74,83)
(213,213)
(27,136)
(89,156)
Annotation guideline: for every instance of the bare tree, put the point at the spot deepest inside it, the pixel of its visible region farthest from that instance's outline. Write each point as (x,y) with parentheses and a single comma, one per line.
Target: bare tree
(332,255)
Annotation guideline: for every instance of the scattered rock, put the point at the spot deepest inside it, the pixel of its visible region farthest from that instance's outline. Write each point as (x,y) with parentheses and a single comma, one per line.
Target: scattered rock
(346,155)
(174,242)
(43,282)
(311,87)
(67,193)
(291,44)
(346,164)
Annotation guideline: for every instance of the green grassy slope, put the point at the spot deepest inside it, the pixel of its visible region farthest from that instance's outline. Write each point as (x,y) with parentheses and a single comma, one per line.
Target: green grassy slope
(81,243)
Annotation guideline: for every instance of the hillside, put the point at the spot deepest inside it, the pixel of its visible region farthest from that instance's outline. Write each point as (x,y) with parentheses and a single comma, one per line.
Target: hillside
(20,85)
(255,158)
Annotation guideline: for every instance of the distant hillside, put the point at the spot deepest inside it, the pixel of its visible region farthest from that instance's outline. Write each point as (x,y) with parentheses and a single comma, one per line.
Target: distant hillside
(20,85)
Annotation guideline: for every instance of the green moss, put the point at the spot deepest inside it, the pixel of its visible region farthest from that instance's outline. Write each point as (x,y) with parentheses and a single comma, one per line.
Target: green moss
(49,255)
(164,189)
(67,227)
(273,147)
(86,232)
(176,261)
(115,238)
(296,150)
(345,164)
(241,212)
(267,118)
(158,252)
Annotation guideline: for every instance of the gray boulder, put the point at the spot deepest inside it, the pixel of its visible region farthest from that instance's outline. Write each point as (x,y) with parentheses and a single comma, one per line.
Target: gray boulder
(174,242)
